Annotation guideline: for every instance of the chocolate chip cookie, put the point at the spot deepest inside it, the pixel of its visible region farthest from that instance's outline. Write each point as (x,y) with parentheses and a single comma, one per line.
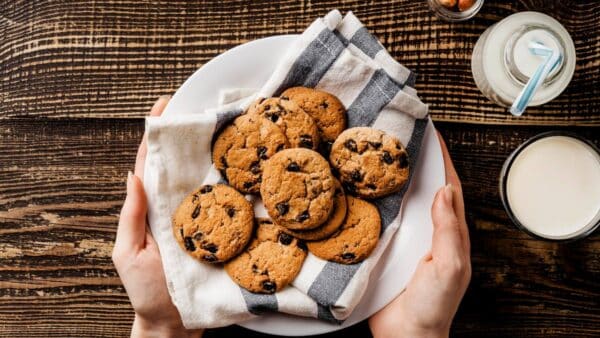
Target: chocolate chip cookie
(336,218)
(298,188)
(299,128)
(326,109)
(270,262)
(356,238)
(370,162)
(214,223)
(241,149)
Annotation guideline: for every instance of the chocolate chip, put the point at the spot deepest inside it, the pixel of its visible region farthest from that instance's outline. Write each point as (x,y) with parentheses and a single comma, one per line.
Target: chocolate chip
(280,147)
(280,108)
(273,117)
(282,208)
(387,158)
(349,187)
(351,145)
(303,216)
(261,152)
(371,186)
(230,211)
(306,141)
(375,145)
(255,168)
(255,268)
(267,106)
(356,176)
(210,258)
(210,247)
(324,105)
(265,221)
(285,239)
(181,232)
(194,197)
(302,245)
(265,273)
(224,161)
(348,256)
(398,146)
(293,167)
(198,235)
(205,189)
(196,212)
(248,185)
(284,98)
(269,286)
(403,160)
(189,244)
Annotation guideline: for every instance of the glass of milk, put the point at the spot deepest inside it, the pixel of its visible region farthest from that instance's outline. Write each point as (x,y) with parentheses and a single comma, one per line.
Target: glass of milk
(502,63)
(550,186)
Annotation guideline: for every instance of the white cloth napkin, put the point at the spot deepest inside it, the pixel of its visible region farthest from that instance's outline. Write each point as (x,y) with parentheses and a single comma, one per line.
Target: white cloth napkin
(333,54)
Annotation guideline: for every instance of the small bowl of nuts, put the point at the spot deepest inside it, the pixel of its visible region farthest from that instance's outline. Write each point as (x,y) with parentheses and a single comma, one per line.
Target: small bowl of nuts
(455,10)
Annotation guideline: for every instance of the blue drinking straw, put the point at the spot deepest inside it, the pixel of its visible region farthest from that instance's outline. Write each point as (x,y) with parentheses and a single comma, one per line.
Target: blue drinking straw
(552,59)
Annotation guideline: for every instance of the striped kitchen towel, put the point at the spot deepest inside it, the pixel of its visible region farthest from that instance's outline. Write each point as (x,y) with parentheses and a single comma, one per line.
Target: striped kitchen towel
(334,54)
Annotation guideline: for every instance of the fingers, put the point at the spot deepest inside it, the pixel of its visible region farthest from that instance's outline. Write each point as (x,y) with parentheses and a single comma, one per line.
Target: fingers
(459,204)
(140,160)
(131,233)
(447,240)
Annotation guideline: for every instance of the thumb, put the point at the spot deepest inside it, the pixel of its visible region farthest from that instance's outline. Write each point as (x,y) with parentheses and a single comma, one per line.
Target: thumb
(446,242)
(132,222)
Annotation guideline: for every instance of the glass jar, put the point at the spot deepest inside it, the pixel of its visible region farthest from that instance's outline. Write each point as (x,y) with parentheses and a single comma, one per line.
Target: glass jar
(502,64)
(454,16)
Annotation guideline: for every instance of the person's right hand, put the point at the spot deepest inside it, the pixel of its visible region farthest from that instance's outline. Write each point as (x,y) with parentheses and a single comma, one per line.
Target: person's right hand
(427,306)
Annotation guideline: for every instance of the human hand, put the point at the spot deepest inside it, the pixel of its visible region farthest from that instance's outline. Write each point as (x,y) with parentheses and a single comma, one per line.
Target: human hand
(427,306)
(137,260)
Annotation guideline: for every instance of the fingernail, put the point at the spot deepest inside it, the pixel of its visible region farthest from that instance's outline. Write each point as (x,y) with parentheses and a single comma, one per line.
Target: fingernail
(159,100)
(129,178)
(449,193)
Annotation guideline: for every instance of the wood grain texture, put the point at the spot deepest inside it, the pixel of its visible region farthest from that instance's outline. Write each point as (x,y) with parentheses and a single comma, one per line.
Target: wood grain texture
(77,76)
(113,58)
(63,183)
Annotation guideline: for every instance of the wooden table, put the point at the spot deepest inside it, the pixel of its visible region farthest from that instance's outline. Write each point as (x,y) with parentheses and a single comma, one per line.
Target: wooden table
(77,78)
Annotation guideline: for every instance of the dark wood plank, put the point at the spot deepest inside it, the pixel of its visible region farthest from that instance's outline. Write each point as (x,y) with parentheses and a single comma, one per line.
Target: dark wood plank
(113,58)
(62,184)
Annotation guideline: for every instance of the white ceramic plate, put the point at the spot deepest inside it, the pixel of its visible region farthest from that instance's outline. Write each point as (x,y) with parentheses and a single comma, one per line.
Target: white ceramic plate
(249,66)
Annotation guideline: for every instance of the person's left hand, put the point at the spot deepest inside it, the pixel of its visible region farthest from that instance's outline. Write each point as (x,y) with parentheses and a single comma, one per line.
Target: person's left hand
(137,260)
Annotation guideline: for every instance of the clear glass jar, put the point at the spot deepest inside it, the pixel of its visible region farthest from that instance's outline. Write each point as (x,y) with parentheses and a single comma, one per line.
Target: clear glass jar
(454,16)
(501,63)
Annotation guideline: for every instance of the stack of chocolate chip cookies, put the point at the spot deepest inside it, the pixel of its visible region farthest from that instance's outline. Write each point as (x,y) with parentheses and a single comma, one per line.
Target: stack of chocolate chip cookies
(295,151)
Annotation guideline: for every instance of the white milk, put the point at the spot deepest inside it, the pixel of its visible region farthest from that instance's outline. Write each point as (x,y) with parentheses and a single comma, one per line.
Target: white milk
(502,63)
(553,187)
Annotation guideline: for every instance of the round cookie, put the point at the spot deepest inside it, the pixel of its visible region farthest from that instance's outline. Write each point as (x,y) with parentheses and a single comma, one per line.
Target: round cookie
(370,162)
(270,262)
(335,220)
(299,128)
(214,223)
(326,109)
(241,148)
(297,188)
(356,238)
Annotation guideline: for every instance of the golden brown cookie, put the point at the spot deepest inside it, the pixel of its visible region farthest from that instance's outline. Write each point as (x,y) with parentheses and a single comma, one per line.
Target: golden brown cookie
(356,238)
(299,128)
(335,220)
(241,149)
(370,162)
(298,188)
(270,262)
(326,109)
(214,223)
